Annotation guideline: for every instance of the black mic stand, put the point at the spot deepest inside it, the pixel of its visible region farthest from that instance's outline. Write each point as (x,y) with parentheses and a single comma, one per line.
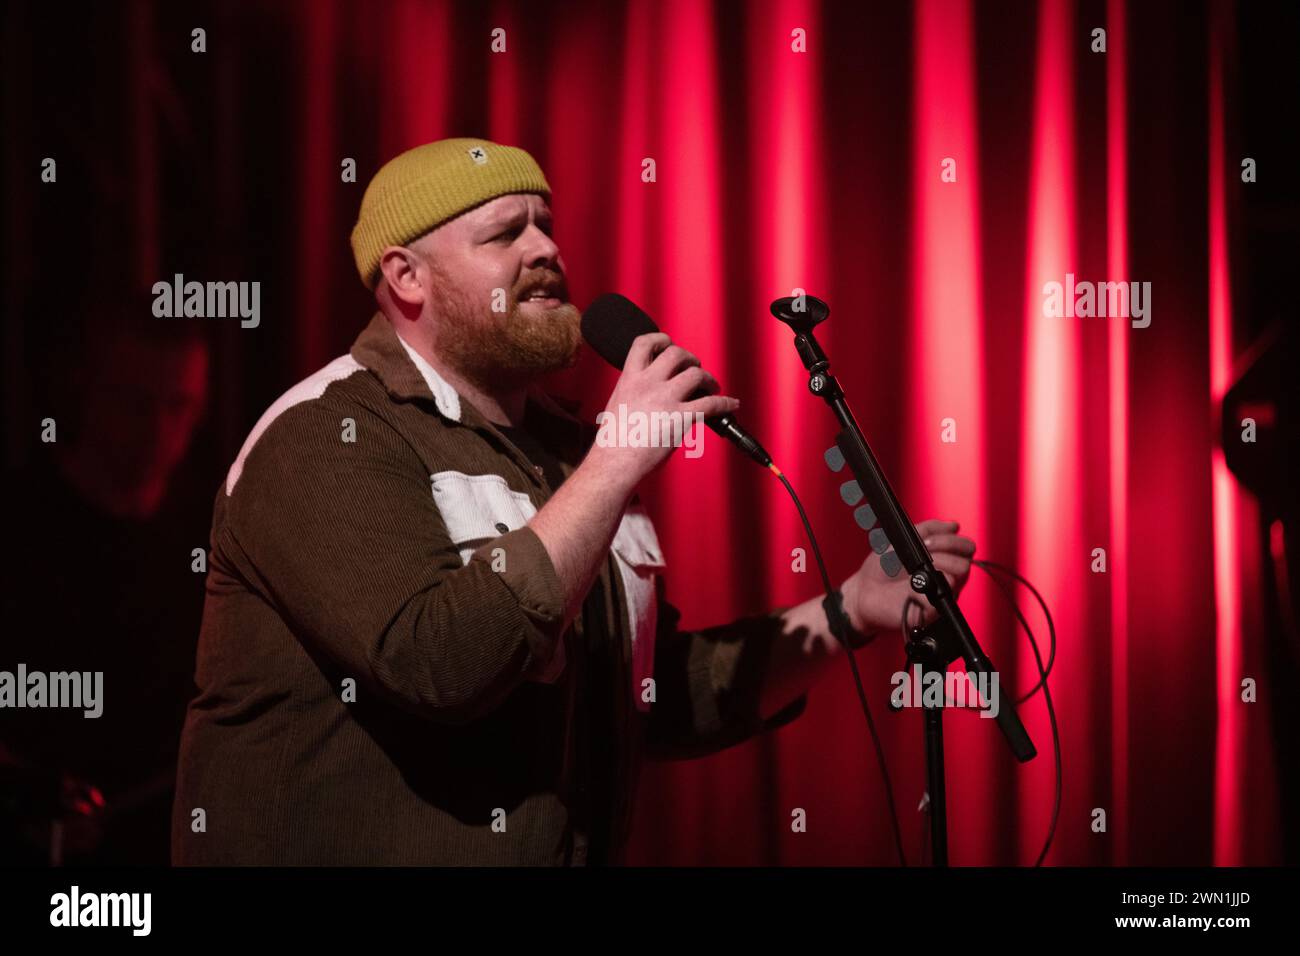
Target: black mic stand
(949,637)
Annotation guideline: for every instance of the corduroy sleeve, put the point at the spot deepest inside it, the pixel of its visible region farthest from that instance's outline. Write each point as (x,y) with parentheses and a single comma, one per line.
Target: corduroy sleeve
(707,685)
(345,540)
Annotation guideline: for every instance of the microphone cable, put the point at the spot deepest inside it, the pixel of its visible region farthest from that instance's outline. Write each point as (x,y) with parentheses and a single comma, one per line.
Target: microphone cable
(995,571)
(832,595)
(989,567)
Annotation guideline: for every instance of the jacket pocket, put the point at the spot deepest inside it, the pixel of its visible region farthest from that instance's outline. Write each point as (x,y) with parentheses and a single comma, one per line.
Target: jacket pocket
(478,508)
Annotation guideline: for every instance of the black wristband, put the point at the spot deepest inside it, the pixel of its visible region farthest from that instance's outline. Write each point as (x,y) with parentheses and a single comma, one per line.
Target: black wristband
(833,605)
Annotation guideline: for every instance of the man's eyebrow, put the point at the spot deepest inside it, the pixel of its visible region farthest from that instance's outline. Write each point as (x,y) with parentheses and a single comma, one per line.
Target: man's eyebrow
(504,217)
(518,217)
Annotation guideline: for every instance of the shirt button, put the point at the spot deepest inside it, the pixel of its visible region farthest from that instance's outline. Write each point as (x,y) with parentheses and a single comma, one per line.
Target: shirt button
(501,527)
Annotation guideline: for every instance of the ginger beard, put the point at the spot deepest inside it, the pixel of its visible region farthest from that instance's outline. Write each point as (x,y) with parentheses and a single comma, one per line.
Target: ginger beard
(511,348)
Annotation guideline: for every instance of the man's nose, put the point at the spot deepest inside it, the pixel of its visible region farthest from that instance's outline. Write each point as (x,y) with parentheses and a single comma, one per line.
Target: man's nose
(542,250)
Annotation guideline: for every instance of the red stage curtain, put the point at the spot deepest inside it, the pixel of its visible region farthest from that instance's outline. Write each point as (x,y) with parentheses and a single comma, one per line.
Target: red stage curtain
(803,145)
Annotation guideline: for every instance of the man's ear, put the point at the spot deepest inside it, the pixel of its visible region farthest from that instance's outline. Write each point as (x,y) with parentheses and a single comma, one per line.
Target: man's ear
(400,268)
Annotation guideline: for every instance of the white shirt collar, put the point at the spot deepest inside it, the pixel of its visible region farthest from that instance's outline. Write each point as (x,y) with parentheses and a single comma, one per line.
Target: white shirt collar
(444,396)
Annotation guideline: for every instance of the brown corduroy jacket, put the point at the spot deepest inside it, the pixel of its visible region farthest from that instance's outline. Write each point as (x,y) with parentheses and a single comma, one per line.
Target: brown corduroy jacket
(382,678)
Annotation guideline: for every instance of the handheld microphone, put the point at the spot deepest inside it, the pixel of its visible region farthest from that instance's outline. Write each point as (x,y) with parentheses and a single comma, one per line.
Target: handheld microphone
(611,323)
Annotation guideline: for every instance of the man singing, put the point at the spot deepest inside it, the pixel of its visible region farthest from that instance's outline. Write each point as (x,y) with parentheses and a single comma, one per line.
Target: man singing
(434,630)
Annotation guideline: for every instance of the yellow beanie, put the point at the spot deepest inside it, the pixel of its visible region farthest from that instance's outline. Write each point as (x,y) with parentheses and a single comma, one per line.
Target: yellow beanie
(430,184)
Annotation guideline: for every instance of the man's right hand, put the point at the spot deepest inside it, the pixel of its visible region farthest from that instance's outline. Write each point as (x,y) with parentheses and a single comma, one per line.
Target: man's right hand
(577,525)
(657,377)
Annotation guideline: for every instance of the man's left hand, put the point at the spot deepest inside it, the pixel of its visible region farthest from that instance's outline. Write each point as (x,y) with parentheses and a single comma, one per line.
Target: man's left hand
(874,601)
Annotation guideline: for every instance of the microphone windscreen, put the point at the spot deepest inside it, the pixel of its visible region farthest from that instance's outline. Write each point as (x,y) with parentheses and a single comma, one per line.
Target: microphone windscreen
(611,323)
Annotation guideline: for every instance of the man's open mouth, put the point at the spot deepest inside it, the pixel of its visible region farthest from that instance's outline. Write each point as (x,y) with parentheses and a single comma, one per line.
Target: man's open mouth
(543,298)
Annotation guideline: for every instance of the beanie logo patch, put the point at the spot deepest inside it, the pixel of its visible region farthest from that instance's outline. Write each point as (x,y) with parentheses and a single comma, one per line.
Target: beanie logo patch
(478,154)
